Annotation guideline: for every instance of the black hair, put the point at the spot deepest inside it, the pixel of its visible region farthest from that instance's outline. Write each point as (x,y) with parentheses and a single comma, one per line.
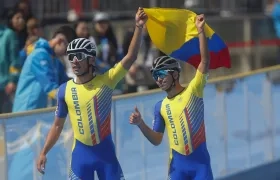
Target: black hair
(79,22)
(29,13)
(22,35)
(109,34)
(10,14)
(67,31)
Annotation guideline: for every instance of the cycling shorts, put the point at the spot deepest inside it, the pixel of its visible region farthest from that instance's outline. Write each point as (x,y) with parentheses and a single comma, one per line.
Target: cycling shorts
(195,166)
(100,158)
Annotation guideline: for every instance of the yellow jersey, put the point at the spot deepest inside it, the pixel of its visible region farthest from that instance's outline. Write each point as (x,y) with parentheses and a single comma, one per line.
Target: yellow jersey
(89,105)
(183,117)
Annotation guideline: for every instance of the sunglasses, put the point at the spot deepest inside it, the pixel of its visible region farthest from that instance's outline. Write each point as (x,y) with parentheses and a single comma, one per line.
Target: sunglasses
(78,56)
(160,74)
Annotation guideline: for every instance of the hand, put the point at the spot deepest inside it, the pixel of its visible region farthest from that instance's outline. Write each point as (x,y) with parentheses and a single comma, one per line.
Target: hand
(199,22)
(133,71)
(10,88)
(141,17)
(27,43)
(135,118)
(41,163)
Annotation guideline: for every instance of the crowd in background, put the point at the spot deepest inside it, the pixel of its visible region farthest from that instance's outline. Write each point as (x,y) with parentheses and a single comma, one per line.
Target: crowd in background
(32,67)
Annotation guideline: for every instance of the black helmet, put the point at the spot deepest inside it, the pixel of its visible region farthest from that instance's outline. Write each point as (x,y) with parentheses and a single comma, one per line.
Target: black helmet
(165,63)
(81,45)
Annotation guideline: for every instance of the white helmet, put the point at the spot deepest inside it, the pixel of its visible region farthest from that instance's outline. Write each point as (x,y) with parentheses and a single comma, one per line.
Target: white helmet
(81,45)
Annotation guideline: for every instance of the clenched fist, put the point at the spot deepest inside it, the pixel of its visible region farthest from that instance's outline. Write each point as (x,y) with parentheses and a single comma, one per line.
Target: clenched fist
(200,22)
(141,17)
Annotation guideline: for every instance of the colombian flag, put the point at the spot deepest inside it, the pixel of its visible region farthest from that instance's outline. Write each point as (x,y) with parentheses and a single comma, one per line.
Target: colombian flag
(173,31)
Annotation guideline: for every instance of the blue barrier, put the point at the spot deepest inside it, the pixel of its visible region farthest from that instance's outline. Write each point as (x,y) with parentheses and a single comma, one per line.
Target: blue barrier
(266,171)
(25,137)
(241,130)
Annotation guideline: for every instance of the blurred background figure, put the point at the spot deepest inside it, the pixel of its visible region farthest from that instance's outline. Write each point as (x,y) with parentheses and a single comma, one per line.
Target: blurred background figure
(43,72)
(35,31)
(108,53)
(25,7)
(17,23)
(105,39)
(82,29)
(9,59)
(273,10)
(139,76)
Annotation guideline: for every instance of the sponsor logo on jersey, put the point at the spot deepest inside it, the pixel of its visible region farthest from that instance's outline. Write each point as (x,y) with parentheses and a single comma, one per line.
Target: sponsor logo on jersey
(75,99)
(171,121)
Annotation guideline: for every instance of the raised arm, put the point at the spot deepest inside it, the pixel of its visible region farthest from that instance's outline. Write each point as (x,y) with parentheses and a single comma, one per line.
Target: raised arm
(154,135)
(203,47)
(131,56)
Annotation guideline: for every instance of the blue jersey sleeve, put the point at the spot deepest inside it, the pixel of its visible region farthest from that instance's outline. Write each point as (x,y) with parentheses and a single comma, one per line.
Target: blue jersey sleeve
(158,123)
(61,109)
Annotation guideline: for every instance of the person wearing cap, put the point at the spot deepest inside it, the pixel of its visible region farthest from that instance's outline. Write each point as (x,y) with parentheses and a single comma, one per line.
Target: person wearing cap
(105,39)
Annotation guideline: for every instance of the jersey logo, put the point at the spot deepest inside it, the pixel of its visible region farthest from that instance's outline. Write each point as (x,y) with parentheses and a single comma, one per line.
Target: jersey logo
(43,62)
(75,99)
(180,99)
(89,85)
(172,124)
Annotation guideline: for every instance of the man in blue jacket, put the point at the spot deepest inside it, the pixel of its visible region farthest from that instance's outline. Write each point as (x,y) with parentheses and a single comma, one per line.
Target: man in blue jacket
(43,72)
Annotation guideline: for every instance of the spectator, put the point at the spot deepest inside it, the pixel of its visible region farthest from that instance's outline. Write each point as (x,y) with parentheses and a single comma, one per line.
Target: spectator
(275,15)
(9,67)
(139,77)
(34,31)
(82,29)
(105,39)
(42,72)
(25,6)
(273,9)
(106,42)
(17,23)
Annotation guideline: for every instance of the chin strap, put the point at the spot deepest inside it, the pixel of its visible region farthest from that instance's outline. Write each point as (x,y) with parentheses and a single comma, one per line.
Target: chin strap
(88,71)
(172,85)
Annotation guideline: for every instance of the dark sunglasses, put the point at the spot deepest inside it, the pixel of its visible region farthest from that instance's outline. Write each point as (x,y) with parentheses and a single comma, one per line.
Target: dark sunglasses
(78,56)
(160,74)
